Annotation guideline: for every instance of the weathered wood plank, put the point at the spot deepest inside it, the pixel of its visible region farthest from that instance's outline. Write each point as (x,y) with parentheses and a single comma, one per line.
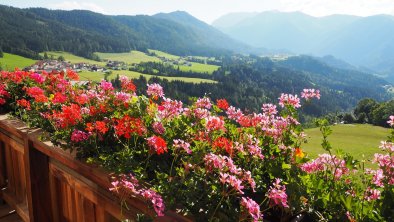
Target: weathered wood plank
(16,164)
(88,211)
(9,167)
(3,169)
(53,189)
(21,208)
(89,190)
(15,128)
(37,183)
(16,145)
(79,212)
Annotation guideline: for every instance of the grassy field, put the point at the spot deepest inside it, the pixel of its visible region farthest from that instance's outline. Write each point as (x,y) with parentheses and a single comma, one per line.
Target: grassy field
(164,54)
(72,58)
(195,67)
(198,67)
(128,57)
(357,139)
(97,76)
(10,61)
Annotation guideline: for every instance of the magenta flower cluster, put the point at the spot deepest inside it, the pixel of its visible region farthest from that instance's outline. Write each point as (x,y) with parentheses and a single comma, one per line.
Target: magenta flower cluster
(277,194)
(127,186)
(308,94)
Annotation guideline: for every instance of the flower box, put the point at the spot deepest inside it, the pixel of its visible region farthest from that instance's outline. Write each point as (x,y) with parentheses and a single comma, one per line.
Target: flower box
(45,183)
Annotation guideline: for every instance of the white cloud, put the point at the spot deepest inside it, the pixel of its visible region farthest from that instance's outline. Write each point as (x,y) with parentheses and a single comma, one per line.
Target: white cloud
(69,5)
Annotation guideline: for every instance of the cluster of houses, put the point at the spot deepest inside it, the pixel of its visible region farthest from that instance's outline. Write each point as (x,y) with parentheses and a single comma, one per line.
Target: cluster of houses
(49,64)
(116,65)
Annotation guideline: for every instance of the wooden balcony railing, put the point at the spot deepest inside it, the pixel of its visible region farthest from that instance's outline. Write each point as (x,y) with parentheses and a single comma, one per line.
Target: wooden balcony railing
(45,183)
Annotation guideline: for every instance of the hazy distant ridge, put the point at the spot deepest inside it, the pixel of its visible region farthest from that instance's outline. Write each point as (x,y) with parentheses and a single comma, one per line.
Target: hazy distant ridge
(361,41)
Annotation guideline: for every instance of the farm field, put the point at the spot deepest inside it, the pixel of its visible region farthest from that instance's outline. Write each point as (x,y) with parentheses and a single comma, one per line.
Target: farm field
(128,57)
(199,67)
(195,67)
(10,61)
(97,76)
(356,139)
(72,58)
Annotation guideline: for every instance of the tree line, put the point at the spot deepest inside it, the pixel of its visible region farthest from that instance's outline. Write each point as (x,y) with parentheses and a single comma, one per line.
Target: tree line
(367,111)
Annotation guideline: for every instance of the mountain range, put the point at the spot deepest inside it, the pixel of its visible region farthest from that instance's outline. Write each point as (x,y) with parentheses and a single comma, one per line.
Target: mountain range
(365,42)
(29,31)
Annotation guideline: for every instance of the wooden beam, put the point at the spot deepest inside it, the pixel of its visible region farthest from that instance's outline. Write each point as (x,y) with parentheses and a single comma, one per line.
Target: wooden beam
(37,184)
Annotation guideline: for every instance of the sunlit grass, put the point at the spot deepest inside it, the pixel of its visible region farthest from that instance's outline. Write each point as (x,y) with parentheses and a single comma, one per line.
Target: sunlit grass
(72,58)
(10,62)
(133,57)
(97,76)
(360,140)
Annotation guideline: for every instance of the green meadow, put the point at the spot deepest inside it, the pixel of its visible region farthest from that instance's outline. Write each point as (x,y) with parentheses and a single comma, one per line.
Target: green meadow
(72,58)
(164,54)
(360,140)
(133,57)
(195,67)
(97,76)
(10,62)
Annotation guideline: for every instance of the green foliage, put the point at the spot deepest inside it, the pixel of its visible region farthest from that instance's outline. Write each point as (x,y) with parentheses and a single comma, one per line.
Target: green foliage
(348,118)
(365,108)
(61,58)
(382,112)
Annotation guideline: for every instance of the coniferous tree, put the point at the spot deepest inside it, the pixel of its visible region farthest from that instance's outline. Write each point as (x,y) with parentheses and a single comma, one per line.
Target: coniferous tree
(61,58)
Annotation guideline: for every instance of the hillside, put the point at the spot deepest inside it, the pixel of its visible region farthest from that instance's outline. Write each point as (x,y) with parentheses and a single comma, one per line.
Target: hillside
(248,82)
(360,140)
(365,42)
(26,32)
(30,31)
(10,62)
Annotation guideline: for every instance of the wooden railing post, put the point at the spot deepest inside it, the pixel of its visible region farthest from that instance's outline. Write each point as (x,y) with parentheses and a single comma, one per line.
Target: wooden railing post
(3,180)
(37,184)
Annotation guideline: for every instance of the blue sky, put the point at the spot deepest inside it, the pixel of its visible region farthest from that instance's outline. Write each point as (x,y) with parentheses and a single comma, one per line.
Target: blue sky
(209,10)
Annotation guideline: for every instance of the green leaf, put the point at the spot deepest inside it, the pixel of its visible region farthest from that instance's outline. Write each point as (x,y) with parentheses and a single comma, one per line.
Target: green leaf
(347,201)
(286,166)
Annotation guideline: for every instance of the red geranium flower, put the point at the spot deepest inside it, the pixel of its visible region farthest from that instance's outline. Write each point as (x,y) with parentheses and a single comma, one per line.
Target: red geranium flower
(222,104)
(223,143)
(158,144)
(128,126)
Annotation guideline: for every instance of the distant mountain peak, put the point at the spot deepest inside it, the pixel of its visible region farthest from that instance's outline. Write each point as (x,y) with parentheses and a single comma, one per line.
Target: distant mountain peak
(183,18)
